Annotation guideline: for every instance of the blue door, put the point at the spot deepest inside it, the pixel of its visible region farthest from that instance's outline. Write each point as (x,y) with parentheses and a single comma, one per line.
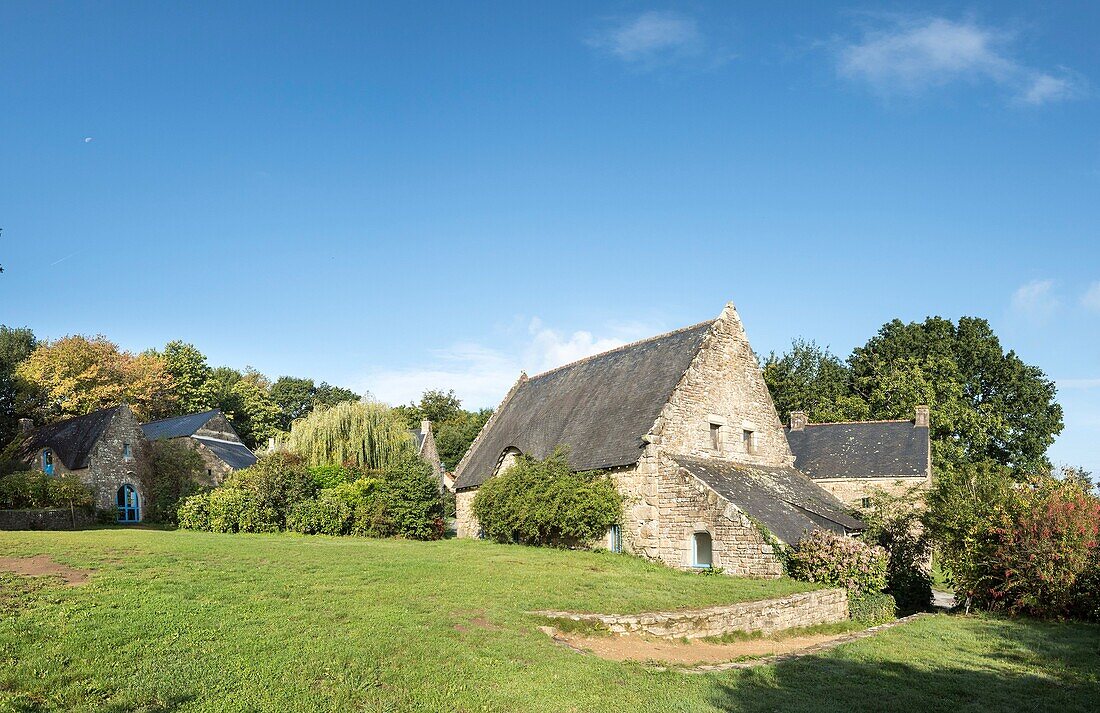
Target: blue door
(128,507)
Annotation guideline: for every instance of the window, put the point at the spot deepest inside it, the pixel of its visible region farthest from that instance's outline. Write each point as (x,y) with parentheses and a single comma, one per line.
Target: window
(127,452)
(748,438)
(716,436)
(47,462)
(701,555)
(865,503)
(615,538)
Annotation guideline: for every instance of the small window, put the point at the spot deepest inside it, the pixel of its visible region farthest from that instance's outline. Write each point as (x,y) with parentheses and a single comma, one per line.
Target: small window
(701,555)
(748,438)
(615,538)
(47,462)
(716,436)
(127,452)
(865,503)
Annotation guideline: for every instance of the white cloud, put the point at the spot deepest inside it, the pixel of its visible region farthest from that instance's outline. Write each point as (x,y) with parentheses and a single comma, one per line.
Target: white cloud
(481,375)
(1035,300)
(1091,298)
(910,56)
(651,38)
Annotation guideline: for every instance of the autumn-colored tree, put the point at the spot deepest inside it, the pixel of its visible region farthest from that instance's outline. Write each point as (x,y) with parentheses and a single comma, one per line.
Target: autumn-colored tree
(76,375)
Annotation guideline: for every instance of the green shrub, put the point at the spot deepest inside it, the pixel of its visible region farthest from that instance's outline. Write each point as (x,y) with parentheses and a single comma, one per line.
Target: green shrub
(545,503)
(277,482)
(69,491)
(871,608)
(329,476)
(224,508)
(839,561)
(193,512)
(173,474)
(412,503)
(1086,590)
(23,489)
(895,525)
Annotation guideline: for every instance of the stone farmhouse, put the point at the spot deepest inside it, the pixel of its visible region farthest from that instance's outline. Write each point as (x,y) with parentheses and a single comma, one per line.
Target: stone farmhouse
(851,460)
(209,434)
(685,425)
(425,448)
(106,449)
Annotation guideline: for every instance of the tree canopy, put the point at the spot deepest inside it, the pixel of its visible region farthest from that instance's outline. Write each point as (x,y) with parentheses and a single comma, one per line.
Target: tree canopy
(455,428)
(15,346)
(364,434)
(986,404)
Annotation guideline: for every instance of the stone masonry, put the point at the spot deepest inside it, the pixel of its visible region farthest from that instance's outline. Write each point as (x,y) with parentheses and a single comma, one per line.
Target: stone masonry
(109,469)
(767,616)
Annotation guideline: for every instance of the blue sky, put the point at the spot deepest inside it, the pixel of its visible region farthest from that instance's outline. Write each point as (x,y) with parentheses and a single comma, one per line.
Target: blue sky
(423,195)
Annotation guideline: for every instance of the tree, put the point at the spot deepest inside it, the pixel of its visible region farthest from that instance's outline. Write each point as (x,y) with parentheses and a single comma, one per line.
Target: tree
(455,428)
(298,397)
(76,375)
(15,346)
(191,377)
(809,378)
(173,474)
(255,416)
(367,435)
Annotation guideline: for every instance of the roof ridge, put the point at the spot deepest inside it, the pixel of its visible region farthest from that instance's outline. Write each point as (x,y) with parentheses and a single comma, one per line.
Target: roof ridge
(74,418)
(173,418)
(622,347)
(847,423)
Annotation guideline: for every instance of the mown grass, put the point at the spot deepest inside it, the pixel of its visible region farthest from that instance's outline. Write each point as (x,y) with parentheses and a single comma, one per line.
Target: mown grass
(204,622)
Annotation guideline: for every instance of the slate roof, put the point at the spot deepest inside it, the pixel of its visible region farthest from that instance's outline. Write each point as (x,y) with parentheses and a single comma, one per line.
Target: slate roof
(600,407)
(71,440)
(235,455)
(860,450)
(779,497)
(177,427)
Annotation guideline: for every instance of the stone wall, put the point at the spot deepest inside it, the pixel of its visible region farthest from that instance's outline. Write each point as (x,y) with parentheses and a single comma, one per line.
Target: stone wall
(851,491)
(467,524)
(767,616)
(724,385)
(43,519)
(109,468)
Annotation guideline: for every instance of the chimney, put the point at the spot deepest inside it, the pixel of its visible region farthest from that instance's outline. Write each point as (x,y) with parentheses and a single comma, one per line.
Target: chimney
(921,420)
(799,419)
(425,426)
(26,425)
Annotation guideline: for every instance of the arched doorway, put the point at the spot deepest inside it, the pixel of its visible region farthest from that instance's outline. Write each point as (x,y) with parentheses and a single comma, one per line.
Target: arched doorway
(129,508)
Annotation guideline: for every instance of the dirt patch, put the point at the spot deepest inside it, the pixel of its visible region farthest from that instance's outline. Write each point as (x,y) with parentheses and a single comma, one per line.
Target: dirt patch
(43,566)
(632,647)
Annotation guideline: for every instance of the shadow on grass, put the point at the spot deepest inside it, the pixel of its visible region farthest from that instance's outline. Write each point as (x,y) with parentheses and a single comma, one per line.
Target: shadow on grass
(1023,666)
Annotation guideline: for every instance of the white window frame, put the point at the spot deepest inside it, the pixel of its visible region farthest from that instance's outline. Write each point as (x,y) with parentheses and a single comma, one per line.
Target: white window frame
(695,550)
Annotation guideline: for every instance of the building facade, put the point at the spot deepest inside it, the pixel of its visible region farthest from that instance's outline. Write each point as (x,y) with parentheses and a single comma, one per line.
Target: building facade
(686,427)
(212,436)
(106,449)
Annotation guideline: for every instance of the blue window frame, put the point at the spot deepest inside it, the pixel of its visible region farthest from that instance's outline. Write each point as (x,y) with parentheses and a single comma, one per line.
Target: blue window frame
(702,555)
(129,507)
(47,461)
(615,538)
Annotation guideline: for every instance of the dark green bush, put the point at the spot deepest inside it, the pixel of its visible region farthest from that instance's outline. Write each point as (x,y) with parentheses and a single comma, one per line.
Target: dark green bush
(545,503)
(1086,591)
(872,609)
(173,474)
(193,512)
(257,499)
(24,489)
(413,506)
(224,508)
(895,525)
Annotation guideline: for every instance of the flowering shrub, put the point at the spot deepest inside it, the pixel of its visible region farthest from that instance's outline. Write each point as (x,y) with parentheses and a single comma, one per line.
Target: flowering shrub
(839,561)
(1046,547)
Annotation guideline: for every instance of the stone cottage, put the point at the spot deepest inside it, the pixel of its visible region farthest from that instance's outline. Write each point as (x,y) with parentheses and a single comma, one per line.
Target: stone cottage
(851,460)
(425,447)
(684,424)
(209,434)
(106,449)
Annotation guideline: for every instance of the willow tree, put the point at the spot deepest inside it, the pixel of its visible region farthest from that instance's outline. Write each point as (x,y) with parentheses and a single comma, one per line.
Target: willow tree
(370,435)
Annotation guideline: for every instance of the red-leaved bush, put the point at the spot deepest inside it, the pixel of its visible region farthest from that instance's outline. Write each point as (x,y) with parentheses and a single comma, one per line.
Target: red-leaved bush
(1039,557)
(839,561)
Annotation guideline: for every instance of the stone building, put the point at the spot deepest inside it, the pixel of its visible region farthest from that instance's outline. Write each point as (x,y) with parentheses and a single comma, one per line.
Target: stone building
(425,447)
(684,424)
(106,449)
(851,460)
(211,436)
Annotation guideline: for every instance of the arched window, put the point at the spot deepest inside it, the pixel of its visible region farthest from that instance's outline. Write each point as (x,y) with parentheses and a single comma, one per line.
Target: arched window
(701,554)
(129,508)
(507,459)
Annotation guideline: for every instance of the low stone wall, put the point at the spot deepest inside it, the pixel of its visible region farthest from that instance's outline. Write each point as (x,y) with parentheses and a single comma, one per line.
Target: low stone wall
(43,519)
(823,606)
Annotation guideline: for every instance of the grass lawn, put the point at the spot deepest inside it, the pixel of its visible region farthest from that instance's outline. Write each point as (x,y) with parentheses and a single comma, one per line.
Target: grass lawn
(196,621)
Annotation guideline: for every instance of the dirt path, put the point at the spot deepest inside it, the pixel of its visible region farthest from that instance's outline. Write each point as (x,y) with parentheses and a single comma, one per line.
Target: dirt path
(43,566)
